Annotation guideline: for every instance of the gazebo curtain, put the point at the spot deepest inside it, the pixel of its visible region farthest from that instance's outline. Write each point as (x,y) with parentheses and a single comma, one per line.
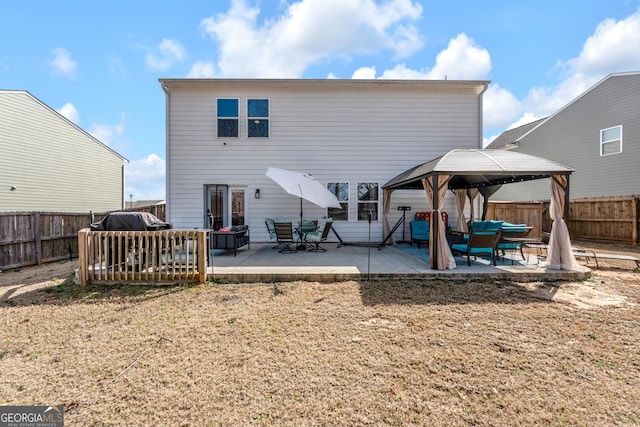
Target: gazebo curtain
(560,256)
(439,252)
(461,198)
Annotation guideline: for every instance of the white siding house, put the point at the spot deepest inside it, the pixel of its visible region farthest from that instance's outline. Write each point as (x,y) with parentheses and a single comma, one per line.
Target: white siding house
(597,134)
(49,164)
(354,134)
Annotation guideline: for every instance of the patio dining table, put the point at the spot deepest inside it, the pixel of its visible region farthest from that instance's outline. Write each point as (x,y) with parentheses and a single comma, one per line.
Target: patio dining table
(526,241)
(302,228)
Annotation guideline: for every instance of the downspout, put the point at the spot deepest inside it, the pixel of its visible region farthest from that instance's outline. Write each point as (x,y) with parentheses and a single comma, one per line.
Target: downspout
(167,126)
(122,178)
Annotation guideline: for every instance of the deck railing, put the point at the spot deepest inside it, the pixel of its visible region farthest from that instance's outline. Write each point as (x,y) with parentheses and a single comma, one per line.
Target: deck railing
(167,256)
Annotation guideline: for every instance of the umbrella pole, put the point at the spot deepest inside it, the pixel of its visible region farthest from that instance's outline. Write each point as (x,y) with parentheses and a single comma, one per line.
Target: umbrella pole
(301,246)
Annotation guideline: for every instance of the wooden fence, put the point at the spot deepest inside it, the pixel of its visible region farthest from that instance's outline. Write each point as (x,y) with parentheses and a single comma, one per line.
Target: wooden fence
(28,238)
(597,218)
(165,256)
(31,238)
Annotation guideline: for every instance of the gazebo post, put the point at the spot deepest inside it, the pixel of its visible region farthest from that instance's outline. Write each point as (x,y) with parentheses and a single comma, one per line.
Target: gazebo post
(434,255)
(566,202)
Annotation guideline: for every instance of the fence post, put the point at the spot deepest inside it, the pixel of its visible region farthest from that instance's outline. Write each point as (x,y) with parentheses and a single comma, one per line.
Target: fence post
(37,238)
(202,256)
(634,217)
(83,258)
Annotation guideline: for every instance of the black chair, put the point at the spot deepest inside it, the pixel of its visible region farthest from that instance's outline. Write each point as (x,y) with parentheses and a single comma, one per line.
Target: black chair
(285,237)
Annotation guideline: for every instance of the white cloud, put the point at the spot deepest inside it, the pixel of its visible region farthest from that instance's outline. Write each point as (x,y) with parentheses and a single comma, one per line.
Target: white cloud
(170,52)
(401,72)
(501,107)
(62,63)
(70,112)
(105,133)
(145,178)
(365,73)
(286,46)
(462,59)
(202,69)
(614,47)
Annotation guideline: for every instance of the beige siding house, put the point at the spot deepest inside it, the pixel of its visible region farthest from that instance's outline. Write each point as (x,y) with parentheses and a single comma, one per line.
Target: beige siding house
(351,135)
(49,164)
(597,134)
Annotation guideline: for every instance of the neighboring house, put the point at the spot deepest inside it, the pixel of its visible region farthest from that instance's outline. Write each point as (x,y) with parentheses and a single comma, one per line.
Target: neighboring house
(49,164)
(351,135)
(143,203)
(508,139)
(597,134)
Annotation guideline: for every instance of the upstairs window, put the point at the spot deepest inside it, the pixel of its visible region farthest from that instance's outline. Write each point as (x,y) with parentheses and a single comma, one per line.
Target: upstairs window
(611,141)
(258,118)
(227,118)
(341,190)
(367,201)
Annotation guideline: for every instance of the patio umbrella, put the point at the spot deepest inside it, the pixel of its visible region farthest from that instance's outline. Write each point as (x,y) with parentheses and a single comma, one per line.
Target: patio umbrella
(304,186)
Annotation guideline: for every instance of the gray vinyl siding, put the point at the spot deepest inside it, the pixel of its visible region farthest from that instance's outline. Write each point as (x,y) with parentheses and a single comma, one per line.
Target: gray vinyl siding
(343,133)
(54,165)
(572,137)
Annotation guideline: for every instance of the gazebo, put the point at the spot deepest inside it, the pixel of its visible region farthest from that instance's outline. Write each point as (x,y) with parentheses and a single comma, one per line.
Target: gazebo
(468,171)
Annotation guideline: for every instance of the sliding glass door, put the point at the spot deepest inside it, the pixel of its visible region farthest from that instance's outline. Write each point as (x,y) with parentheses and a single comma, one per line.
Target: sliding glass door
(225,206)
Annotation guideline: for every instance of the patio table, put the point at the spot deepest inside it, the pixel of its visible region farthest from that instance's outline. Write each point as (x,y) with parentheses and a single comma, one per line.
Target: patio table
(523,241)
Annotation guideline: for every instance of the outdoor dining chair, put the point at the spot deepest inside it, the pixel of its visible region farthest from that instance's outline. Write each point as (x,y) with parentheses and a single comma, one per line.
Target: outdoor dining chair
(285,237)
(318,236)
(483,242)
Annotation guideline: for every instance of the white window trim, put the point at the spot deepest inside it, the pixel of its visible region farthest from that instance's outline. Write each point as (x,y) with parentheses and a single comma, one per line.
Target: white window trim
(225,117)
(602,143)
(378,202)
(268,118)
(348,201)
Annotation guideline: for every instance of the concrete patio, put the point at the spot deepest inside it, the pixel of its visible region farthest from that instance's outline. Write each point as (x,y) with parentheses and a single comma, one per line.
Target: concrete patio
(262,263)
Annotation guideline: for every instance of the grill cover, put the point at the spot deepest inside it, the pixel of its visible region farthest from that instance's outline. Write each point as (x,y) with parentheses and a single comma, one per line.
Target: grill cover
(130,221)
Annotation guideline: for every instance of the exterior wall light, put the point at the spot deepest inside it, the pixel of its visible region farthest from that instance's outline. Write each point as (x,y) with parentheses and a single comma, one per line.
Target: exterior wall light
(257,193)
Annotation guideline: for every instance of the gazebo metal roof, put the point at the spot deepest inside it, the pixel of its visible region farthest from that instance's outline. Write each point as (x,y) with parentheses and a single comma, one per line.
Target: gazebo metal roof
(475,168)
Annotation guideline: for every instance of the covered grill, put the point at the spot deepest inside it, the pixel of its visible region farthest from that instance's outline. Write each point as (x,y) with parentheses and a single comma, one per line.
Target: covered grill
(119,254)
(130,221)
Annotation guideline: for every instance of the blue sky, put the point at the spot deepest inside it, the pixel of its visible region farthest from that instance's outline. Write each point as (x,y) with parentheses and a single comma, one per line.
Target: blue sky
(98,63)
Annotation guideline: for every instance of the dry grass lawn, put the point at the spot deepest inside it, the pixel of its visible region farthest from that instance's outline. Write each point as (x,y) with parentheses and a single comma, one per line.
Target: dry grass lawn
(396,353)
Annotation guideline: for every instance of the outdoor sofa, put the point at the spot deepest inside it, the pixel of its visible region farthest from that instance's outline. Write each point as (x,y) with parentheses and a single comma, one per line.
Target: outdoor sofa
(508,230)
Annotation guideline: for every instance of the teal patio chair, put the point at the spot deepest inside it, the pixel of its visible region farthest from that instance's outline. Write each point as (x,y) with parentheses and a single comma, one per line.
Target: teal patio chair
(318,236)
(480,243)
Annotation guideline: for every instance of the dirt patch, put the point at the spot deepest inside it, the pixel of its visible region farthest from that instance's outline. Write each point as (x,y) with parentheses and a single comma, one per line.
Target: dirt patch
(384,353)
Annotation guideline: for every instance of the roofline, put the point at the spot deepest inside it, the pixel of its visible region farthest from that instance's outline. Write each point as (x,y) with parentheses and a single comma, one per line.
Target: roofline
(481,84)
(68,121)
(577,98)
